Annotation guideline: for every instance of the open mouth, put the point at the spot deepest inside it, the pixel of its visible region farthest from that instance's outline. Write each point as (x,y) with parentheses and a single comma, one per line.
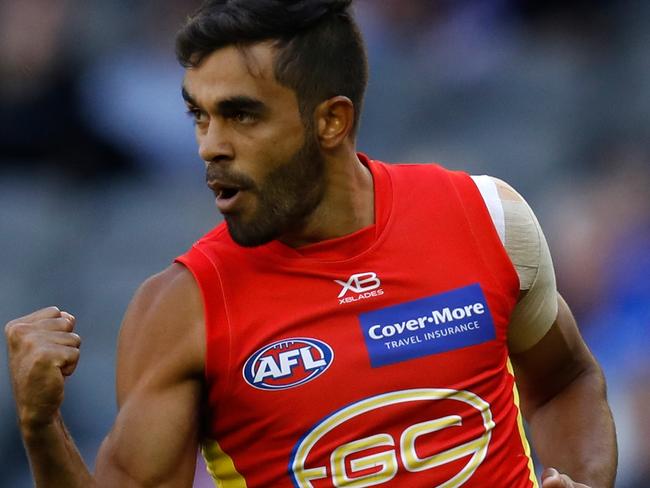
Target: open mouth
(227,193)
(223,190)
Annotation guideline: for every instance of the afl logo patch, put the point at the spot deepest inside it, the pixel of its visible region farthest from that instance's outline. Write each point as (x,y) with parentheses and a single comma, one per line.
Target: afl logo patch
(287,363)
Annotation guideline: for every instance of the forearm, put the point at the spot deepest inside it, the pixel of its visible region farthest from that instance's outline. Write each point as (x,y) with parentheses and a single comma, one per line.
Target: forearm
(574,431)
(54,458)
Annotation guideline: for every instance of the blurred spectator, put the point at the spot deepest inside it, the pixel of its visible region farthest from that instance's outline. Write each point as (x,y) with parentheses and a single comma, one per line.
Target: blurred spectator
(41,114)
(133,93)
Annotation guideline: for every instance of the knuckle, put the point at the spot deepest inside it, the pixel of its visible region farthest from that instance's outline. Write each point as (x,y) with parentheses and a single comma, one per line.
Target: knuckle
(68,316)
(71,357)
(13,326)
(9,328)
(61,323)
(15,332)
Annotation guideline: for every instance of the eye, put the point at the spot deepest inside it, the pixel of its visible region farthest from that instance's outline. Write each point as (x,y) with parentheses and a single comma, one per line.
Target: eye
(243,117)
(197,115)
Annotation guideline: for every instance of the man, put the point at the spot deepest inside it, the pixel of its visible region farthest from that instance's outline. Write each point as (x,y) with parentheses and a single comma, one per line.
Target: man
(351,324)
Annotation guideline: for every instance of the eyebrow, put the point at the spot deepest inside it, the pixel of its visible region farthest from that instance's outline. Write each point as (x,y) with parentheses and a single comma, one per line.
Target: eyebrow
(241,103)
(187,97)
(232,104)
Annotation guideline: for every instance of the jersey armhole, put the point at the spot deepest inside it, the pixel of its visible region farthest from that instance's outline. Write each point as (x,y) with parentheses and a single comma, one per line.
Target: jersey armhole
(488,189)
(217,322)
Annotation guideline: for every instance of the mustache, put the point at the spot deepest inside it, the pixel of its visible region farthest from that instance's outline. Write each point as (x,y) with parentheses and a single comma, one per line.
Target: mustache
(230,178)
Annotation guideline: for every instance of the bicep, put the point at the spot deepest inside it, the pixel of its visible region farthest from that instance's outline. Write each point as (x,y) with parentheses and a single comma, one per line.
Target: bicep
(552,363)
(154,439)
(159,384)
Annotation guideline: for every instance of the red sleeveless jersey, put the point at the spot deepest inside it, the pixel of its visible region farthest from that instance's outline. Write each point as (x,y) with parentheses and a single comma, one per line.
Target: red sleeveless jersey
(375,359)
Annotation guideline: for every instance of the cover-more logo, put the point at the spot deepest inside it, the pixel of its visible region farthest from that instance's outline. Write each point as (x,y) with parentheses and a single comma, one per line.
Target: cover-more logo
(364,285)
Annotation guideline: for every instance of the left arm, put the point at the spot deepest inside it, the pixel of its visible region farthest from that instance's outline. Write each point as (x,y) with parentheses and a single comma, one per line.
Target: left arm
(564,401)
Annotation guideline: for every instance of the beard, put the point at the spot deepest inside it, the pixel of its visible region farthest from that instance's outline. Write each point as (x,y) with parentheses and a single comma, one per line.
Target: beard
(284,200)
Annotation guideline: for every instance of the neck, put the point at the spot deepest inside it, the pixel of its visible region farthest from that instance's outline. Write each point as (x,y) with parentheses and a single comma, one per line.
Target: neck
(348,203)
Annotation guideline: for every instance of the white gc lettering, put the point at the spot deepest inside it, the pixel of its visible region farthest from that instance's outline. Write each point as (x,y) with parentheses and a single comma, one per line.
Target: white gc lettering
(358,283)
(386,461)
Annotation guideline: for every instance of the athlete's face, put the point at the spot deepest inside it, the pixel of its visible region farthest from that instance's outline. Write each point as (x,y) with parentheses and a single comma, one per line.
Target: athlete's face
(264,166)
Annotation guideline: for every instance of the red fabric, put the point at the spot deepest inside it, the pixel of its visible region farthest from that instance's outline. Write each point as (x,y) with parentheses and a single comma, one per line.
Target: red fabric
(433,234)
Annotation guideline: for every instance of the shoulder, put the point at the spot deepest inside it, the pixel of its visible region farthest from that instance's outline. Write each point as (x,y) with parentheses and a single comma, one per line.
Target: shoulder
(491,187)
(506,191)
(526,246)
(174,284)
(170,298)
(162,328)
(514,220)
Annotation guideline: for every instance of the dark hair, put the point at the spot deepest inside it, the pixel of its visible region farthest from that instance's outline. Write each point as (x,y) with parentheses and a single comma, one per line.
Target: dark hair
(321,53)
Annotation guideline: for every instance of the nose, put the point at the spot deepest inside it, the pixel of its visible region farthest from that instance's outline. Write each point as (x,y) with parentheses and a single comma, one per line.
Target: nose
(213,143)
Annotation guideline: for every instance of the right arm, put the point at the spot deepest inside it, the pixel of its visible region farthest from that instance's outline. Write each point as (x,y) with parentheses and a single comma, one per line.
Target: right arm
(159,383)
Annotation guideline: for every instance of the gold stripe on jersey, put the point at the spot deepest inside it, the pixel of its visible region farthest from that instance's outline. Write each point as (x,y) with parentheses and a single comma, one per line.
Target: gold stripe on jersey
(522,433)
(221,466)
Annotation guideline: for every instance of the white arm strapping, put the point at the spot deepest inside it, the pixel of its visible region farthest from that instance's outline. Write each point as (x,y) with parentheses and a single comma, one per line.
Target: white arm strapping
(528,250)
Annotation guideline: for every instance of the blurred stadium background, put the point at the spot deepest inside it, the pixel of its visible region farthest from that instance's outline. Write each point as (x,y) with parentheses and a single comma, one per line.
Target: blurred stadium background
(100,184)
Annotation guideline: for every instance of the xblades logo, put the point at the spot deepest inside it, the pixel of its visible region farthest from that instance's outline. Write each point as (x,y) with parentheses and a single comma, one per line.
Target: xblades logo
(358,283)
(365,285)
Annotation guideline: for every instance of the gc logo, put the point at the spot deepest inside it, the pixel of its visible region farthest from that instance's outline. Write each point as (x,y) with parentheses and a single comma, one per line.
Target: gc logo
(380,465)
(358,283)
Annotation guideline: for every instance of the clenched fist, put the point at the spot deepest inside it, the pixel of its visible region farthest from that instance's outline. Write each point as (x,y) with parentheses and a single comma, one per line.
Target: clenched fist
(43,349)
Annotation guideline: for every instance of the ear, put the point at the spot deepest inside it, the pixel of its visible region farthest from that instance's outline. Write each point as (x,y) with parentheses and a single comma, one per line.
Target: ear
(334,121)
